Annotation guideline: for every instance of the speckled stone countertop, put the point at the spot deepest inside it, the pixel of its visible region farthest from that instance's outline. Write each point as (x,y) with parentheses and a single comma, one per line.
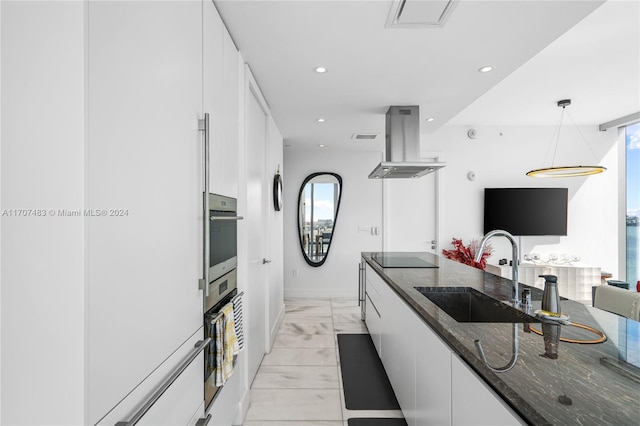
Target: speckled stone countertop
(600,393)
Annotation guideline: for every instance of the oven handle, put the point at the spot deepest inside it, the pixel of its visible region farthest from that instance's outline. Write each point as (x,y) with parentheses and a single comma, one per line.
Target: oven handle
(165,384)
(215,319)
(226,217)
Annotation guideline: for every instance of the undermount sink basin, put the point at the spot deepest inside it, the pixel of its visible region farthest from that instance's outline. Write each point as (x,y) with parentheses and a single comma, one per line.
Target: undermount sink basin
(466,304)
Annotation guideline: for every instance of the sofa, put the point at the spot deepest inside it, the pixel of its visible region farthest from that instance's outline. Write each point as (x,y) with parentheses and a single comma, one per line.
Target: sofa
(617,300)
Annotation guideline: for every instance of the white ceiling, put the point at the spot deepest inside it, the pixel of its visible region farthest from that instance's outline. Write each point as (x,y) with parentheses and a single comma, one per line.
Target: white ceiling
(542,51)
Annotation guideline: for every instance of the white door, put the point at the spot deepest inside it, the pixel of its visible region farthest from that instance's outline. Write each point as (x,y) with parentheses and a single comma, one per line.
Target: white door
(410,214)
(256,294)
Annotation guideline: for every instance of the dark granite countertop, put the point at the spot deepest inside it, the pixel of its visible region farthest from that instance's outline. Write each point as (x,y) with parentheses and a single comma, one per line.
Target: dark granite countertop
(601,394)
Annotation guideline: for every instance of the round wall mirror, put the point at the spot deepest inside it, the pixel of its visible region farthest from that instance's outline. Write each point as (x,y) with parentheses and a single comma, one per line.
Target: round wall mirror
(318,204)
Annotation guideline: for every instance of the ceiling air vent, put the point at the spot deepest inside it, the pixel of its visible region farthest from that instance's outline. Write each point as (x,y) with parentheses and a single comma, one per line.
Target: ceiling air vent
(364,136)
(419,13)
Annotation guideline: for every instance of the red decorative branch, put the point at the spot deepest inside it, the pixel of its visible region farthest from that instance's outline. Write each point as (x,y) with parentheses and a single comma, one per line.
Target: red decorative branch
(466,254)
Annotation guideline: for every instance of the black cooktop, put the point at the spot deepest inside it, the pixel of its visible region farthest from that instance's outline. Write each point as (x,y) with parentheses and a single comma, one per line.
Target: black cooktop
(400,261)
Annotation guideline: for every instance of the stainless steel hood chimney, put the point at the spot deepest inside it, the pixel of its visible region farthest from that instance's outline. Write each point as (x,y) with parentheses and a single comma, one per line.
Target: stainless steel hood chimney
(403,146)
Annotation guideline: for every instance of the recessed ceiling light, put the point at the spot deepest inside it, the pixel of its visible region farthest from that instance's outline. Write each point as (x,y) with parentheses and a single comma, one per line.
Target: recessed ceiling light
(320,120)
(430,119)
(486,68)
(320,70)
(321,145)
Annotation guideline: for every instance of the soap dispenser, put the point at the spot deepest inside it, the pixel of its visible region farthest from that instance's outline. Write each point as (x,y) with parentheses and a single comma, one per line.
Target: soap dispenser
(550,296)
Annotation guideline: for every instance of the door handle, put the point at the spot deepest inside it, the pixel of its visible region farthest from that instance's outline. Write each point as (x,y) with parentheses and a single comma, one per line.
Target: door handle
(265,261)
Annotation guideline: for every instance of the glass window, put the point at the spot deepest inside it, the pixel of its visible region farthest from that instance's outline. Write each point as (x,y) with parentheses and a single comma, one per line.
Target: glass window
(632,142)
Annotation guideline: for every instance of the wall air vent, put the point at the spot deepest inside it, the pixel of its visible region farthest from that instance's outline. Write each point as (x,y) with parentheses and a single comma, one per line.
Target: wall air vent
(419,13)
(364,136)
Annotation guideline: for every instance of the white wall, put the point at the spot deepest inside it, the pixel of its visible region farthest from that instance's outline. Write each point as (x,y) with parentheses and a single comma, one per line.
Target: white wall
(360,206)
(500,157)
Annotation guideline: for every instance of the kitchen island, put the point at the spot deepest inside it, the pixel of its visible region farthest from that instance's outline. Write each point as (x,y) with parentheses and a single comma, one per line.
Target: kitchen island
(595,382)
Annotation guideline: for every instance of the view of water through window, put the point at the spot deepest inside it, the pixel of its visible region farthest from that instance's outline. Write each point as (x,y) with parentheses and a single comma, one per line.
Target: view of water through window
(632,139)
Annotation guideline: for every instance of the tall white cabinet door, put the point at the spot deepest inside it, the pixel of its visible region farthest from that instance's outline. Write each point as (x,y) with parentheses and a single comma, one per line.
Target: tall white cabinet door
(230,116)
(433,378)
(42,261)
(144,178)
(399,353)
(221,92)
(473,403)
(212,93)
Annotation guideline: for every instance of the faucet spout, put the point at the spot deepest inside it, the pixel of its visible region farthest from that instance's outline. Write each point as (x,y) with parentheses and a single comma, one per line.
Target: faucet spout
(514,353)
(514,259)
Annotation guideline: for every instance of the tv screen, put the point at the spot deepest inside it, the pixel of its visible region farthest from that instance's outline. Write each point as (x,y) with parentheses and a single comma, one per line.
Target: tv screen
(526,211)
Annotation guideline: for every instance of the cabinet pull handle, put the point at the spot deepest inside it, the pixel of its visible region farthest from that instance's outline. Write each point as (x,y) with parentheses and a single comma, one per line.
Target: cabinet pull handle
(162,387)
(204,421)
(359,282)
(203,126)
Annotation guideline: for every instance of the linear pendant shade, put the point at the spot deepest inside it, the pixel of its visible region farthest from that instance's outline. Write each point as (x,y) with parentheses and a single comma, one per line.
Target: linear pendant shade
(569,171)
(566,171)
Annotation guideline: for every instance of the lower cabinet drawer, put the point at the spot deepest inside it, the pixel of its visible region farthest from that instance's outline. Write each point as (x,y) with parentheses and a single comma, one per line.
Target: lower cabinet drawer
(177,405)
(374,324)
(172,395)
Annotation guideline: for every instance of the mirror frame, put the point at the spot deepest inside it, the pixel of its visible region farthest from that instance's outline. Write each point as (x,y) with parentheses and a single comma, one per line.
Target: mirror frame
(335,219)
(277,192)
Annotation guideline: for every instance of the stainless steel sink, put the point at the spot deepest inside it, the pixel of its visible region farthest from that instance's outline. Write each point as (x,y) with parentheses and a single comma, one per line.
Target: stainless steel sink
(466,304)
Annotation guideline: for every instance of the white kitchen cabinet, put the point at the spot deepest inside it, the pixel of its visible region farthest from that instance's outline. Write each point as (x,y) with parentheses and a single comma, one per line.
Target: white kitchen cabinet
(221,97)
(176,406)
(143,161)
(399,357)
(375,307)
(473,403)
(180,402)
(374,322)
(432,384)
(433,378)
(230,118)
(105,277)
(42,256)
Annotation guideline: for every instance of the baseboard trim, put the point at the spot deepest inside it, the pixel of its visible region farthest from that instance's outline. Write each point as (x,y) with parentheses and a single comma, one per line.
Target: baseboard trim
(275,327)
(331,293)
(243,407)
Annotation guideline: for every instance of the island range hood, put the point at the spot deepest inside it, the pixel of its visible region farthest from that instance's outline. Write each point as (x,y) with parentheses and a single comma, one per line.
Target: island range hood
(403,146)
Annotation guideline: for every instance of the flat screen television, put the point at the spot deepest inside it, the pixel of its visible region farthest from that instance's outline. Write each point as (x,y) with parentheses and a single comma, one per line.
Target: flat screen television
(526,211)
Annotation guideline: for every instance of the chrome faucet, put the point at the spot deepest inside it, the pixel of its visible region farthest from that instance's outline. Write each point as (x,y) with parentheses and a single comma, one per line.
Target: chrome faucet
(514,298)
(514,259)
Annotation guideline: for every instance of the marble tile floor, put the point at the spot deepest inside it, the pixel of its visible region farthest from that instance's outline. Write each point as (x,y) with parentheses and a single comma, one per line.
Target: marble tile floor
(299,383)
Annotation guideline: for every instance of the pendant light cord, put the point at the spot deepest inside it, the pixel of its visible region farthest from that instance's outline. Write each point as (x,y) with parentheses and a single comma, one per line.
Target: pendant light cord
(582,136)
(557,138)
(556,134)
(553,161)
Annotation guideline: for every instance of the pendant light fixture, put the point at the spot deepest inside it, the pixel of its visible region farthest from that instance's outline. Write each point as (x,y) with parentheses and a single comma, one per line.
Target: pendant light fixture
(566,171)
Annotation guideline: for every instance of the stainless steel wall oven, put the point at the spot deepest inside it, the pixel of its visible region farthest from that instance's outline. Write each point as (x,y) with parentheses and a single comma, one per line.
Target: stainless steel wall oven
(221,292)
(223,235)
(220,276)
